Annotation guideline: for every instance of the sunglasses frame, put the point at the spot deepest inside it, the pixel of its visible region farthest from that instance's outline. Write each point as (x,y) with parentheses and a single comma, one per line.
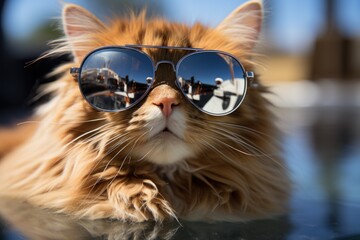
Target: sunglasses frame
(248,75)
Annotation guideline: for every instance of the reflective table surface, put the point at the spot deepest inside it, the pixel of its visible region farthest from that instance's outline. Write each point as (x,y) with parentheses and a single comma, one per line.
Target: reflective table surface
(322,148)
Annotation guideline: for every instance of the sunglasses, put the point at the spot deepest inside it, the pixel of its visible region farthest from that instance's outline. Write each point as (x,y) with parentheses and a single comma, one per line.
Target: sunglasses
(114,79)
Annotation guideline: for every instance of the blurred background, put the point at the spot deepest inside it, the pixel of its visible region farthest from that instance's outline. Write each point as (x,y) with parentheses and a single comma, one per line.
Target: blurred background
(312,65)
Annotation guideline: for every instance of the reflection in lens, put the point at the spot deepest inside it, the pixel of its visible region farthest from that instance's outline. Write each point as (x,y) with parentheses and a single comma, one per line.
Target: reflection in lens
(214,82)
(114,79)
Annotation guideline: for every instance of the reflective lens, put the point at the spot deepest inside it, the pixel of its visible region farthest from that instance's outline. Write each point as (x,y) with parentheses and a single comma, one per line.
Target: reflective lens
(214,82)
(114,79)
(117,78)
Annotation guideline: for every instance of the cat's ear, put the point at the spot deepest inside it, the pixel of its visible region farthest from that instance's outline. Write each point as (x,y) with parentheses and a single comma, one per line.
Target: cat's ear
(243,25)
(78,24)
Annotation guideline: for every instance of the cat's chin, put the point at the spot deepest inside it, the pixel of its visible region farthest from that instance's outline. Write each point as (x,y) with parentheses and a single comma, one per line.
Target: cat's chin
(165,149)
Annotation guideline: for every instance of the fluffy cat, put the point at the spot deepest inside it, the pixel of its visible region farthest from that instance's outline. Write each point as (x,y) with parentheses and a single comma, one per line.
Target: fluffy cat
(94,164)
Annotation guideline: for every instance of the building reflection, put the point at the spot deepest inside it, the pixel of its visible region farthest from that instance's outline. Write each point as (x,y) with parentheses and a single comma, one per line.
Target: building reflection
(216,97)
(104,87)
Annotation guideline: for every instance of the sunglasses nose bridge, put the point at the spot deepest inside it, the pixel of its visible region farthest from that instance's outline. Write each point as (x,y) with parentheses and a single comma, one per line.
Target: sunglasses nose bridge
(165,62)
(165,75)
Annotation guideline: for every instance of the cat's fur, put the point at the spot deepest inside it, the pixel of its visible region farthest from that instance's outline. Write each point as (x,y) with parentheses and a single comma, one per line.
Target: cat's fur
(115,165)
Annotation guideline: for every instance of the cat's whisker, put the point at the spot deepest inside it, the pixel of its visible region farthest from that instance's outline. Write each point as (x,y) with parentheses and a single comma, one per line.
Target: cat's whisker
(136,141)
(206,143)
(237,126)
(61,123)
(230,136)
(94,132)
(114,177)
(146,154)
(249,145)
(207,182)
(100,177)
(244,128)
(231,147)
(108,163)
(109,152)
(241,140)
(202,178)
(129,152)
(117,144)
(275,141)
(192,169)
(226,157)
(122,163)
(104,134)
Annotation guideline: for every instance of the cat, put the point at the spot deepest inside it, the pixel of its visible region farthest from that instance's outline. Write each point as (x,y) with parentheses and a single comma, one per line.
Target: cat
(119,165)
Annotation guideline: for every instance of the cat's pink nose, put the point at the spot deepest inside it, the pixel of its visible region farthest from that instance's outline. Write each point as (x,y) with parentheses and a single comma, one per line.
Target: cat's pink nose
(166,104)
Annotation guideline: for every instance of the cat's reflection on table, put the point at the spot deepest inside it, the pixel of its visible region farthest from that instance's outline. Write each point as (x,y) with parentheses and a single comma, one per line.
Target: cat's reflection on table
(33,223)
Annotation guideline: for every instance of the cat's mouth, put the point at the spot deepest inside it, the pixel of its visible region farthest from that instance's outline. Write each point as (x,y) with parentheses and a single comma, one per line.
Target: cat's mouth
(167,134)
(166,131)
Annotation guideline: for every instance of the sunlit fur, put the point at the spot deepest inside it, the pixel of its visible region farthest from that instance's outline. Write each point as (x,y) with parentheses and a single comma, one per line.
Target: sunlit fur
(115,165)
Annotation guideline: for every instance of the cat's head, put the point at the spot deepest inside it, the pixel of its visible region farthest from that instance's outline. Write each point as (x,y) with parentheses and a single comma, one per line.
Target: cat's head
(163,128)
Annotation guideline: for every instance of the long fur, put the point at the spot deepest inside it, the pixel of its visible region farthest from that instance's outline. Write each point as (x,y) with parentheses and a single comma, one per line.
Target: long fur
(85,163)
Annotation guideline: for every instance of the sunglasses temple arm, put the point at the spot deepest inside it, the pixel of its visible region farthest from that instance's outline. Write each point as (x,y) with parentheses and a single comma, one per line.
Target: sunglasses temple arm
(74,72)
(250,76)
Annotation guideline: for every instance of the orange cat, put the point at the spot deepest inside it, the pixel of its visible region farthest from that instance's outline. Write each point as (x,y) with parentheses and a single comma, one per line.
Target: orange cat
(154,143)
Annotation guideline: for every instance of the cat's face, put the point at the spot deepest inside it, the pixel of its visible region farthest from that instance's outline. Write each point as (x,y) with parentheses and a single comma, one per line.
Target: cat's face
(164,128)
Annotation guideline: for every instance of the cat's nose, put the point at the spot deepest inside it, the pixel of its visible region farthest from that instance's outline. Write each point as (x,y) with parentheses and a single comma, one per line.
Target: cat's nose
(165,97)
(166,104)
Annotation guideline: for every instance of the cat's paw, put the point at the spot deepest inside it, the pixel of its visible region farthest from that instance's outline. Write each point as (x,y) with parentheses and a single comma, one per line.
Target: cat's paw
(138,200)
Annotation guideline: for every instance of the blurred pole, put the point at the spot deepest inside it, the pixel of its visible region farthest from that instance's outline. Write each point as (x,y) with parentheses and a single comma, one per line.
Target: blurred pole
(332,56)
(332,133)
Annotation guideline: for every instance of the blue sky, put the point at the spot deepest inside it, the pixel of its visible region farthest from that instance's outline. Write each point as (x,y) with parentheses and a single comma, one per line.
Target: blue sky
(292,24)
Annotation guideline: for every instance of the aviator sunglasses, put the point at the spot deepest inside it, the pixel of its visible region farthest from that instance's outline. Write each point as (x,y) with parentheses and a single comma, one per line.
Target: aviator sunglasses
(116,78)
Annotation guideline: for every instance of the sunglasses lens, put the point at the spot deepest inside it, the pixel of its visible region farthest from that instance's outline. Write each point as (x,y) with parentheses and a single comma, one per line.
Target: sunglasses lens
(214,82)
(114,79)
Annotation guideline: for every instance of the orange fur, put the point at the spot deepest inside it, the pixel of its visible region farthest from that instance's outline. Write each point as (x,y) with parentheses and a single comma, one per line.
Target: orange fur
(98,165)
